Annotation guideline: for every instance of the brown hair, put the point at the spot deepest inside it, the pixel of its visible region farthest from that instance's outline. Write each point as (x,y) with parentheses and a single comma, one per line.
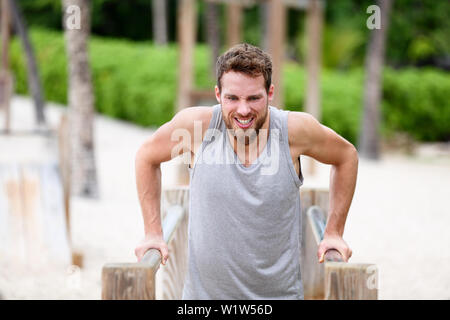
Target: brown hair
(247,59)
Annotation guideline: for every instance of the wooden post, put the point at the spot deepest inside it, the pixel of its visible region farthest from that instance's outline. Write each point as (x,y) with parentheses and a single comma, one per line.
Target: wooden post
(312,271)
(277,22)
(350,281)
(234,23)
(131,281)
(313,60)
(64,165)
(186,40)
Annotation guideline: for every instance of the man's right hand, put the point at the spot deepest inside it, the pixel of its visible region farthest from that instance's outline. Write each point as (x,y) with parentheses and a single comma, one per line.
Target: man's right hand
(152,242)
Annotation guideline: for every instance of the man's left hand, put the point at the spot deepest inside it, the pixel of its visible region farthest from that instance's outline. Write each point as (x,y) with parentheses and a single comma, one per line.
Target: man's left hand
(333,242)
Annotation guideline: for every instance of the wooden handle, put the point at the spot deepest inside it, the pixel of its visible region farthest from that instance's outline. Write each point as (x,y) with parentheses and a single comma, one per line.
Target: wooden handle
(333,255)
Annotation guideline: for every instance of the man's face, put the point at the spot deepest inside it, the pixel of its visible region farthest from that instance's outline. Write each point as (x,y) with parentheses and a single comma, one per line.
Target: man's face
(244,101)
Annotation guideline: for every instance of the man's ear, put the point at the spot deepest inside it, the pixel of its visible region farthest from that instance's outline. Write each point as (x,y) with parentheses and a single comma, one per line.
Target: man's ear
(271,92)
(217,91)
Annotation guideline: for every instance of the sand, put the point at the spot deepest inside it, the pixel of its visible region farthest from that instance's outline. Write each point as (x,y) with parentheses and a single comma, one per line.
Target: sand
(398,218)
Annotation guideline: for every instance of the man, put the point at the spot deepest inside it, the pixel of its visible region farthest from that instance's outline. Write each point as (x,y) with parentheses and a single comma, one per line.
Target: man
(244,214)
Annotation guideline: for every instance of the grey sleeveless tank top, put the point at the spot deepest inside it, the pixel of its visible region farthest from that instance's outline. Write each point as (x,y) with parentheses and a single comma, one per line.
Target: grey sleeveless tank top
(244,222)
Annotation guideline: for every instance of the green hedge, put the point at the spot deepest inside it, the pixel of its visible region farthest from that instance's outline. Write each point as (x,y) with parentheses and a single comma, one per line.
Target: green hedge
(137,82)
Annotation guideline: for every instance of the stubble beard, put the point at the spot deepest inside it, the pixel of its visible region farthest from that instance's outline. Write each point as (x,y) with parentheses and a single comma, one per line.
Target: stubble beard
(246,136)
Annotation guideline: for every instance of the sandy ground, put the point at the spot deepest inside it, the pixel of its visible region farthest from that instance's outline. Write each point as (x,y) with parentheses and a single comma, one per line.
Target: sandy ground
(398,219)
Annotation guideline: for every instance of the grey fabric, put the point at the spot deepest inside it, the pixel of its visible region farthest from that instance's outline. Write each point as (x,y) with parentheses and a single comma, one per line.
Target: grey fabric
(244,222)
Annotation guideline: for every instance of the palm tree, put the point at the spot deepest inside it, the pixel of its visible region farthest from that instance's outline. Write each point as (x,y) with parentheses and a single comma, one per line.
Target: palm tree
(369,140)
(34,82)
(212,33)
(159,21)
(81,100)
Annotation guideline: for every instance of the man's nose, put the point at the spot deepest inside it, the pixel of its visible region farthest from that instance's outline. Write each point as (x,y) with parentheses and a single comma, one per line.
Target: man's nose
(243,109)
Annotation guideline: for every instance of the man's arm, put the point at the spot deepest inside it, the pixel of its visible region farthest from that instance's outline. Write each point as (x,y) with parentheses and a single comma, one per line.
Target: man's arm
(161,147)
(308,137)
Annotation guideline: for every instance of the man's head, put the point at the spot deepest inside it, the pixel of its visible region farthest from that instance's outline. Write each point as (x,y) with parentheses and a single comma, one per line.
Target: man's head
(244,87)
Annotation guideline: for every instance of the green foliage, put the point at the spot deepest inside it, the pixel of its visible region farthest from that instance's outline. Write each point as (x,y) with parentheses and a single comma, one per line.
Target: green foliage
(417,102)
(50,54)
(137,82)
(341,47)
(341,98)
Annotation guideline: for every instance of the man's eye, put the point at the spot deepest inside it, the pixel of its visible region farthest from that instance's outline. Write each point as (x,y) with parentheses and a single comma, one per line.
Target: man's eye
(254,98)
(232,98)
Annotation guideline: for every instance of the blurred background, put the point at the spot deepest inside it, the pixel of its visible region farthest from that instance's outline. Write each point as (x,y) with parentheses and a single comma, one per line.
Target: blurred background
(84,83)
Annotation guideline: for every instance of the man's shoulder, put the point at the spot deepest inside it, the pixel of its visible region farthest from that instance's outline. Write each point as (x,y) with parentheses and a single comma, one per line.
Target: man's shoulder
(193,117)
(301,128)
(197,113)
(299,122)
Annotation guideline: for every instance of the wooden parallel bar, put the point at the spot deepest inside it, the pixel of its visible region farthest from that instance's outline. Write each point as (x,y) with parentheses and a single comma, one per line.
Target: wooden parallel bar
(136,281)
(335,279)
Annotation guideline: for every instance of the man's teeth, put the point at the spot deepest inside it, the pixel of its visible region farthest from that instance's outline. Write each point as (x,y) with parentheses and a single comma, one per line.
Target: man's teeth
(244,121)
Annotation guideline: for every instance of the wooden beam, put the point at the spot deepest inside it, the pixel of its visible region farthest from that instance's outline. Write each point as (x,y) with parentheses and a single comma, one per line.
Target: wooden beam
(277,24)
(234,24)
(186,40)
(245,3)
(296,4)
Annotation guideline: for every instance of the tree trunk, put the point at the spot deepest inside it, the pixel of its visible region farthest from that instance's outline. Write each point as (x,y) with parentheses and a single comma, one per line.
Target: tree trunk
(264,23)
(159,8)
(313,57)
(81,102)
(34,82)
(369,138)
(314,20)
(5,74)
(212,34)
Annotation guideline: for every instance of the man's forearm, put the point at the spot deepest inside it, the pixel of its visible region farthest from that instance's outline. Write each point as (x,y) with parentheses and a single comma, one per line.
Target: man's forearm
(148,181)
(342,188)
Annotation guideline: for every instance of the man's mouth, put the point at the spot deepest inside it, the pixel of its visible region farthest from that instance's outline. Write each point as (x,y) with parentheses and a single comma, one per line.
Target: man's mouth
(244,123)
